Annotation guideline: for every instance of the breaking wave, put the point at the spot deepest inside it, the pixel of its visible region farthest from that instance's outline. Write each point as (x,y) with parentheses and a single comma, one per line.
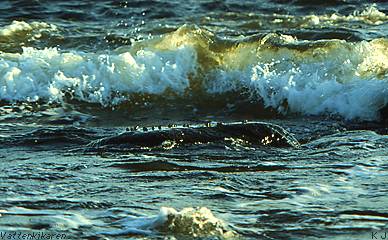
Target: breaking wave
(273,70)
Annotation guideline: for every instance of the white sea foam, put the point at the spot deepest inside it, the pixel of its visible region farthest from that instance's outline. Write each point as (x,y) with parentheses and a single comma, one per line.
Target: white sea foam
(192,222)
(348,79)
(48,73)
(370,15)
(21,27)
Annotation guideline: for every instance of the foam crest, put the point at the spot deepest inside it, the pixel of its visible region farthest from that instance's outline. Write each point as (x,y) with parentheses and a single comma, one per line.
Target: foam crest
(192,222)
(198,222)
(370,15)
(347,79)
(105,79)
(18,28)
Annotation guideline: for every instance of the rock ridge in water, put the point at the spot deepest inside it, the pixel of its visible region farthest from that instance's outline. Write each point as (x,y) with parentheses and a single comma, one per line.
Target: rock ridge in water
(254,133)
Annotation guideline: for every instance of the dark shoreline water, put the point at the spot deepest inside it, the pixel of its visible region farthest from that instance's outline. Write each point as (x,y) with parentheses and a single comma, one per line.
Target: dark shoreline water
(324,189)
(74,72)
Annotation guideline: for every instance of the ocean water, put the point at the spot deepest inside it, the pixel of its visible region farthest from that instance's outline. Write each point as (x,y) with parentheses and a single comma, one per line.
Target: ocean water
(73,72)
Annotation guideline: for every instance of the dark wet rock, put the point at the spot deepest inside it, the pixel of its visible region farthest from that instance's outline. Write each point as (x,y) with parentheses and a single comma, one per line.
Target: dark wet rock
(255,133)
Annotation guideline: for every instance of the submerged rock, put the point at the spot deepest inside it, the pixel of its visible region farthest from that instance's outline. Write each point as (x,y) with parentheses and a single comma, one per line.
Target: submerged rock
(255,133)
